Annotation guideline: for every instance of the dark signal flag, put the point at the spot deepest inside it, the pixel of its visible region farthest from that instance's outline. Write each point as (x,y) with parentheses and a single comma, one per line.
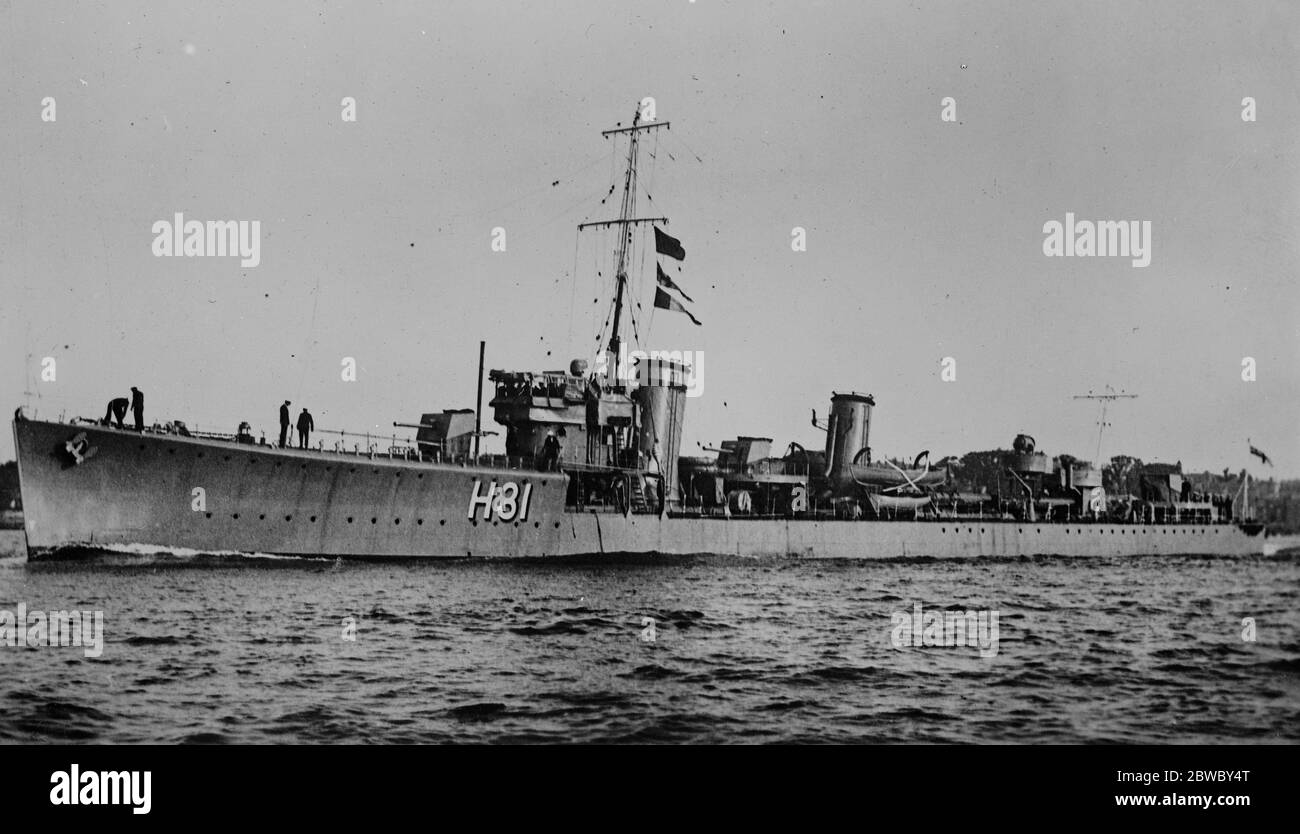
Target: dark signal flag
(666,244)
(665,281)
(664,301)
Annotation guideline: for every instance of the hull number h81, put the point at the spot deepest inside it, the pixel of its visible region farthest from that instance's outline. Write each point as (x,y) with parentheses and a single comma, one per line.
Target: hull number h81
(508,501)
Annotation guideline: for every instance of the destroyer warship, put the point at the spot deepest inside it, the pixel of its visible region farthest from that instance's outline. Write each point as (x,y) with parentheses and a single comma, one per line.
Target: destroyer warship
(593,466)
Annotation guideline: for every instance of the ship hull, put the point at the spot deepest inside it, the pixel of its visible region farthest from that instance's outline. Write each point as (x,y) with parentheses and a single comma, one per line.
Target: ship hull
(167,492)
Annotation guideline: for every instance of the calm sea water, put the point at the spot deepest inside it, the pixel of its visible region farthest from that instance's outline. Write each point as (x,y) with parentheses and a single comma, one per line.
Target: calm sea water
(231,650)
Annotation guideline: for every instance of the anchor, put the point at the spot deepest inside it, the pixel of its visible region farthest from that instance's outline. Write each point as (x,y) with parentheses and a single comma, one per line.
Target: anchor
(79,448)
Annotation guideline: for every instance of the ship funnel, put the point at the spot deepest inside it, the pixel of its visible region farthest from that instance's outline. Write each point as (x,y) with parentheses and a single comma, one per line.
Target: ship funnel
(662,403)
(848,432)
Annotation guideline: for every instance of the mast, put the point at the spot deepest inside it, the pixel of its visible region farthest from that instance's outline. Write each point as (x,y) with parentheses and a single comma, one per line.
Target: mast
(478,408)
(625,233)
(626,221)
(1106,399)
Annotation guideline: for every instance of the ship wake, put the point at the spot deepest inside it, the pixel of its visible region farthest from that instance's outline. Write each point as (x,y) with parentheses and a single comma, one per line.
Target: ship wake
(147,554)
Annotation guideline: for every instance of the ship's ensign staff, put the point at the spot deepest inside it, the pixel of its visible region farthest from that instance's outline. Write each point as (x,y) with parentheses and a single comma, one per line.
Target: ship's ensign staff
(284,423)
(305,425)
(137,407)
(116,411)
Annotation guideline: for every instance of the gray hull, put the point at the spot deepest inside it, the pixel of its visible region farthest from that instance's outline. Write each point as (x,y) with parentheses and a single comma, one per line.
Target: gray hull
(175,493)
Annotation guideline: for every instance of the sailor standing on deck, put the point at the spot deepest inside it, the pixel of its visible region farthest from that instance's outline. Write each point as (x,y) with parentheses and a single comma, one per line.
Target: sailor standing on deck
(137,407)
(550,453)
(284,422)
(305,425)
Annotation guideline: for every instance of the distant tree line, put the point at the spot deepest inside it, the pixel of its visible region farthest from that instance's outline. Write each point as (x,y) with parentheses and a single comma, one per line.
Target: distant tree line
(9,484)
(982,471)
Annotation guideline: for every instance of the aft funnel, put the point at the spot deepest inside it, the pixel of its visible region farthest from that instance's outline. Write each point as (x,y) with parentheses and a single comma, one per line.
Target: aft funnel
(848,432)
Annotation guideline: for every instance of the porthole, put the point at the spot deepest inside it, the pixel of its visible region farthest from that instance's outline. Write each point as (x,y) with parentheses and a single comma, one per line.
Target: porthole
(261,517)
(288,518)
(313,518)
(374,520)
(442,522)
(397,521)
(236,515)
(419,521)
(209,515)
(557,525)
(349,519)
(200,454)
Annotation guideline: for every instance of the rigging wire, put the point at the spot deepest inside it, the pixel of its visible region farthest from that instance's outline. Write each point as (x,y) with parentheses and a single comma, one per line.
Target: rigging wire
(654,166)
(677,138)
(534,192)
(573,283)
(645,246)
(585,198)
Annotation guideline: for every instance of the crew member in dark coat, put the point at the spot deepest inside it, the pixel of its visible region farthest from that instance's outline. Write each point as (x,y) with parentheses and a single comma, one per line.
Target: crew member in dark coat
(137,407)
(550,453)
(116,411)
(305,425)
(284,422)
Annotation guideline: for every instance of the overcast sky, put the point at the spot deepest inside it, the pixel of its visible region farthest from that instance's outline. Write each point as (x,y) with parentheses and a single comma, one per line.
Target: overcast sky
(924,237)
